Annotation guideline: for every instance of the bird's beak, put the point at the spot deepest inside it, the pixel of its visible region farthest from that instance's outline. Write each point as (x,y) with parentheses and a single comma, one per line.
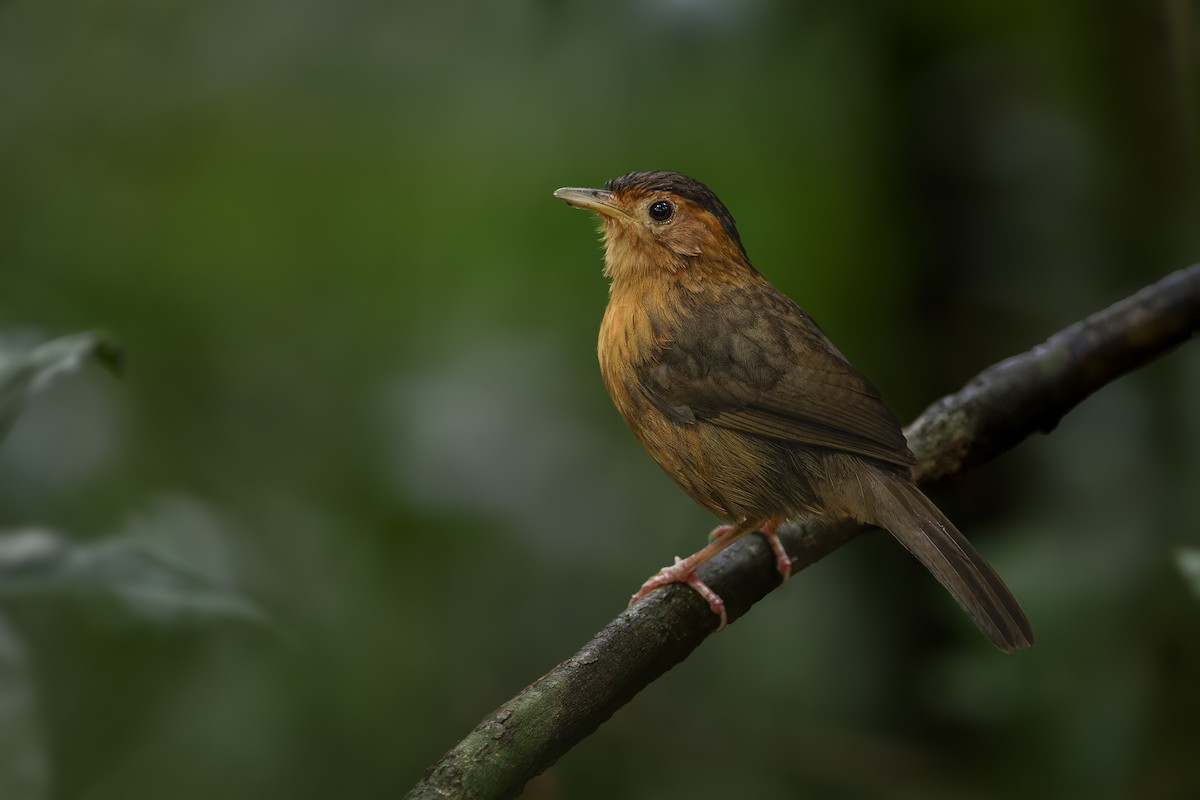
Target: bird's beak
(598,200)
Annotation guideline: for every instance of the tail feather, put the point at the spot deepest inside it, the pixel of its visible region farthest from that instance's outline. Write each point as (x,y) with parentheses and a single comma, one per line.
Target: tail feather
(925,532)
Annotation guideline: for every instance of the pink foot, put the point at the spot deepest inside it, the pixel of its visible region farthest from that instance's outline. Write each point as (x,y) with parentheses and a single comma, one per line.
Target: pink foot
(682,571)
(783,562)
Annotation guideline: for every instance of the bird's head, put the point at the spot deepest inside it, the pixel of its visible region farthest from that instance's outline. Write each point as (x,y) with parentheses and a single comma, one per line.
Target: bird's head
(661,223)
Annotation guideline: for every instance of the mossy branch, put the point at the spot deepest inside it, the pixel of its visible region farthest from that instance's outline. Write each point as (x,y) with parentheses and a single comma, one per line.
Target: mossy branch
(994,412)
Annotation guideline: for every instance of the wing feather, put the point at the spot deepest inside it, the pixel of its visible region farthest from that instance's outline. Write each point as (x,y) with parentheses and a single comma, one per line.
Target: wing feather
(759,365)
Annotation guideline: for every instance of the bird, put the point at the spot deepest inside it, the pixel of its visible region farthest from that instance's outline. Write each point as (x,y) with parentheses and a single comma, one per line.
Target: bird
(743,400)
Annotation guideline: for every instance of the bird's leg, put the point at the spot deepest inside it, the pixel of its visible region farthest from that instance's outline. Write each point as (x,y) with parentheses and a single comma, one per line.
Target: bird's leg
(684,569)
(783,562)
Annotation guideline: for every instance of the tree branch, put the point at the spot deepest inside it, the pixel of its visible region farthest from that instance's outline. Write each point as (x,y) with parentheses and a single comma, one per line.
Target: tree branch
(993,413)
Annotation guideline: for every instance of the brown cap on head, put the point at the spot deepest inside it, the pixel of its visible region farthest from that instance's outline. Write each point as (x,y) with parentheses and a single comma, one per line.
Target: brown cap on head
(682,185)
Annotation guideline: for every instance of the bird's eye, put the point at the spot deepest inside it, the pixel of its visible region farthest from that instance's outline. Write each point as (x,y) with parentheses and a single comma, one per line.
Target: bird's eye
(661,211)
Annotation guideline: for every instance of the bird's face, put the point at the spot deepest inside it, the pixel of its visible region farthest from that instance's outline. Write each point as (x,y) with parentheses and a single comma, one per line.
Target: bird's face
(659,223)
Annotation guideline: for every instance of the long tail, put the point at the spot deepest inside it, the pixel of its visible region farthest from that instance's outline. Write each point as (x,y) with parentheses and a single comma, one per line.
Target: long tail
(925,532)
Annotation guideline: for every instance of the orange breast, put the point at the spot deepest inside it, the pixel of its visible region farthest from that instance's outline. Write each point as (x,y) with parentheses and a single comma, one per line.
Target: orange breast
(704,460)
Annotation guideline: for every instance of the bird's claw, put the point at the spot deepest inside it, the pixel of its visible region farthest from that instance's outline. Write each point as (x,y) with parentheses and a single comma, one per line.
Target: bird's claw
(683,572)
(783,562)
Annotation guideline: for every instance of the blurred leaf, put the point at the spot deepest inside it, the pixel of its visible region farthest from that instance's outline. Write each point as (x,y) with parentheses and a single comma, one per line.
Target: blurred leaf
(1188,559)
(24,771)
(25,371)
(166,567)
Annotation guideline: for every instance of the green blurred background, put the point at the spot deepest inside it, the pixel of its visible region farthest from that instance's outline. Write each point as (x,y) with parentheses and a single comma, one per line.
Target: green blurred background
(361,400)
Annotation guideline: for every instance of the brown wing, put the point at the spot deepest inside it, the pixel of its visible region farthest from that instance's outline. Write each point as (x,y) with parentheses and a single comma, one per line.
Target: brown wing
(758,364)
